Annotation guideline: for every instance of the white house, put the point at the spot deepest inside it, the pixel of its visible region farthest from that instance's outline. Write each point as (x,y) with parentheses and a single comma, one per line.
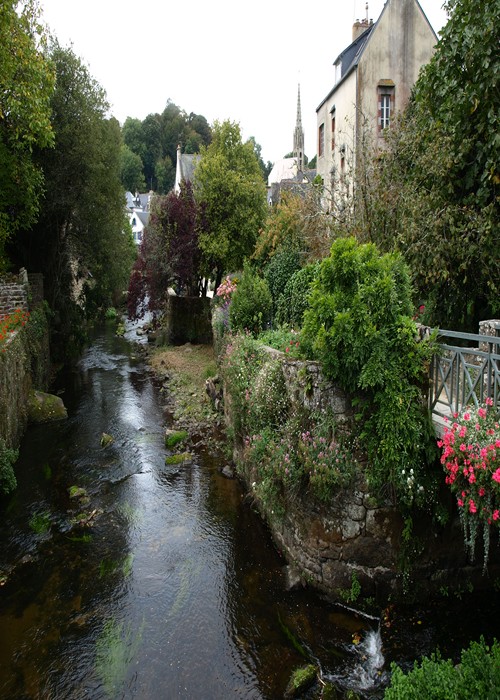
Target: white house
(373,79)
(137,208)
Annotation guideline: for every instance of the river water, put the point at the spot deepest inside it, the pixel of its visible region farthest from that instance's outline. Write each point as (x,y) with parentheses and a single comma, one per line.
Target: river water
(153,581)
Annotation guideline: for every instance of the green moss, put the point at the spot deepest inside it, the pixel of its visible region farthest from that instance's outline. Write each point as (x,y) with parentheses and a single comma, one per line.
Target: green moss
(40,522)
(182,458)
(174,437)
(106,440)
(302,679)
(77,492)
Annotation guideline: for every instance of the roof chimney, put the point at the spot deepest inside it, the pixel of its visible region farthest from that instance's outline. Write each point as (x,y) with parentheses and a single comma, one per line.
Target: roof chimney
(361,26)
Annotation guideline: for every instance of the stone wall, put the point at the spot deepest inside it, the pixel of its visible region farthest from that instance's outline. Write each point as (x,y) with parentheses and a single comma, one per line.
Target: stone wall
(13,293)
(24,356)
(188,320)
(355,533)
(15,385)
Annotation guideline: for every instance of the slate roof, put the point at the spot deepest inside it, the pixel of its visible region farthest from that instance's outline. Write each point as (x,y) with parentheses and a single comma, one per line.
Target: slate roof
(349,58)
(143,217)
(188,163)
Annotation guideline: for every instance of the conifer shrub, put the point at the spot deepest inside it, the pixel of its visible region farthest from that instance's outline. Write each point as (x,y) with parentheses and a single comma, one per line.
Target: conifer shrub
(278,272)
(294,301)
(251,303)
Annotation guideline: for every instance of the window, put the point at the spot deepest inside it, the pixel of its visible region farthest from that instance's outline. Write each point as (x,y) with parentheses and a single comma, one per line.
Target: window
(321,140)
(333,129)
(385,111)
(385,94)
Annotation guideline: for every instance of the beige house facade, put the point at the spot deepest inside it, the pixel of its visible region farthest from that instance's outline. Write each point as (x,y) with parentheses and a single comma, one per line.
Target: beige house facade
(374,76)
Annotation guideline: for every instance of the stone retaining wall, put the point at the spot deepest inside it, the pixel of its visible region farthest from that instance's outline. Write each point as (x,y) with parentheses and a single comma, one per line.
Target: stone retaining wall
(24,358)
(355,534)
(14,293)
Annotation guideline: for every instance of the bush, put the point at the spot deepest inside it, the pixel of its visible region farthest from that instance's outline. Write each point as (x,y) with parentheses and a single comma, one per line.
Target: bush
(294,301)
(251,303)
(359,327)
(279,271)
(477,676)
(7,459)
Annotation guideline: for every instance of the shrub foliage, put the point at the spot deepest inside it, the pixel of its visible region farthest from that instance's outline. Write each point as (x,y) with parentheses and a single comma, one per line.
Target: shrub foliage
(359,326)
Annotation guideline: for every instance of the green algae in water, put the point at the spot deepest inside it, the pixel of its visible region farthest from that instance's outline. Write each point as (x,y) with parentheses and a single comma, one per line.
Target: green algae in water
(81,538)
(40,522)
(111,566)
(186,575)
(133,515)
(127,565)
(116,647)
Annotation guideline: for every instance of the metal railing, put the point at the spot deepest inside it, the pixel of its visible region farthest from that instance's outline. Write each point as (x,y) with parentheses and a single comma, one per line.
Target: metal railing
(463,376)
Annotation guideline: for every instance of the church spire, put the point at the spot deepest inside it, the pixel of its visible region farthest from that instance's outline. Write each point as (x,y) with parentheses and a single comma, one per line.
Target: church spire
(298,138)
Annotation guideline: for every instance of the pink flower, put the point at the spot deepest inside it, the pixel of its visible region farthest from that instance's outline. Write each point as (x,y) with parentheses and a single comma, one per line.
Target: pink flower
(496,476)
(496,514)
(466,416)
(481,413)
(472,506)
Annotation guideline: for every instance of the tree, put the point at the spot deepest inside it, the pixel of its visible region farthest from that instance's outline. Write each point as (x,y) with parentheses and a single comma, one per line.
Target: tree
(80,241)
(297,223)
(155,141)
(132,176)
(26,84)
(169,255)
(228,181)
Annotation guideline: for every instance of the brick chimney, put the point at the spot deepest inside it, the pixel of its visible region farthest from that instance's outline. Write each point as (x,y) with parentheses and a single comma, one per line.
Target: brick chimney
(361,26)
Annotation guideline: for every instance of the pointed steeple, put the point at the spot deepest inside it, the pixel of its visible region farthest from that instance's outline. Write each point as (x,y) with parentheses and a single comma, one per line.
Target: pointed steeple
(298,138)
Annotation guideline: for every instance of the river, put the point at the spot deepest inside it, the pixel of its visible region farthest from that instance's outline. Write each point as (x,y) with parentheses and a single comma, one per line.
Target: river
(127,578)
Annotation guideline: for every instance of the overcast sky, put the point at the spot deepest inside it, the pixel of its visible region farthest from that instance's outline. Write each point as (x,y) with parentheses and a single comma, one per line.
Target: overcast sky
(221,59)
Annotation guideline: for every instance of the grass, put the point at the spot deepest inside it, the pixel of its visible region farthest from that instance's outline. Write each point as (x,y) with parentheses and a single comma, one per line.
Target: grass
(188,367)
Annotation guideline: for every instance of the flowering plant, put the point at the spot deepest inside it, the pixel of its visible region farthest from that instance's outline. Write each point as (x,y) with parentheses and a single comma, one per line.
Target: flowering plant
(471,459)
(226,289)
(328,462)
(10,322)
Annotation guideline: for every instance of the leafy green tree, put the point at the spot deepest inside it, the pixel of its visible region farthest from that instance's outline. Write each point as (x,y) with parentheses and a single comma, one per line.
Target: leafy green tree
(155,141)
(133,137)
(26,84)
(265,167)
(80,241)
(132,176)
(229,182)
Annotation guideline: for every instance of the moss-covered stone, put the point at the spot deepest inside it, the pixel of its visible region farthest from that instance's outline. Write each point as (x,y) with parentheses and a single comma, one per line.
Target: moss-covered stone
(77,492)
(301,680)
(43,407)
(181,458)
(174,437)
(106,440)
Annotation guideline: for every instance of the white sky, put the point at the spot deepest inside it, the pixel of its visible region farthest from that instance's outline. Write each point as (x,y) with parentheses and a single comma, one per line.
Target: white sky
(221,59)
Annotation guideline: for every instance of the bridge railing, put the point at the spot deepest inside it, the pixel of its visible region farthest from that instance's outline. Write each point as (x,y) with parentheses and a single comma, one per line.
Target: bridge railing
(463,375)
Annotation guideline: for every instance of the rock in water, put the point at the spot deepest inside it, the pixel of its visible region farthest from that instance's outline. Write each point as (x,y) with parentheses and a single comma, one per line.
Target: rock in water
(106,440)
(43,407)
